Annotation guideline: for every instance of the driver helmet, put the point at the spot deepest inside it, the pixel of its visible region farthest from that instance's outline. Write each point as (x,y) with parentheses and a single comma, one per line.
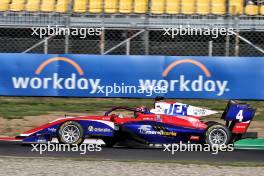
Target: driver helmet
(142,109)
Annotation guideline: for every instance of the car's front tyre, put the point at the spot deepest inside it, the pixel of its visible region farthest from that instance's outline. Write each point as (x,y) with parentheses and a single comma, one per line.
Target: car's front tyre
(71,132)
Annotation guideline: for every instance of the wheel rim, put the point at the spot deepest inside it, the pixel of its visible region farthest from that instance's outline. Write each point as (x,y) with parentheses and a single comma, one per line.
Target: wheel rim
(70,134)
(218,136)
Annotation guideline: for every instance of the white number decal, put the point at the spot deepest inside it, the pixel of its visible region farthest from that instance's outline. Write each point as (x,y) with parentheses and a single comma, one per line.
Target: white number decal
(240,116)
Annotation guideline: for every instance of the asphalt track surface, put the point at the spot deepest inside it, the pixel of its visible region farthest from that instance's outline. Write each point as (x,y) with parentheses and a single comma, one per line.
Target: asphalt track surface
(11,148)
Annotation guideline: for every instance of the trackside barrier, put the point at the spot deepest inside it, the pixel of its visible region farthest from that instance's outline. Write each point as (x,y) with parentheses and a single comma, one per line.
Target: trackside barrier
(131,76)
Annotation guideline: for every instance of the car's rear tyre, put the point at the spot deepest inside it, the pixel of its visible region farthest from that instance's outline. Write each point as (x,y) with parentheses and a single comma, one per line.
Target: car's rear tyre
(217,134)
(71,132)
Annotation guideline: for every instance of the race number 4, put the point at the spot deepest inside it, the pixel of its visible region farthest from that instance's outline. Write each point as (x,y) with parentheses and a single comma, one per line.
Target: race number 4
(239,116)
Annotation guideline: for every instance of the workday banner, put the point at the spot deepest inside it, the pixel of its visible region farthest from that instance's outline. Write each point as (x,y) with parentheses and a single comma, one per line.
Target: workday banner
(131,76)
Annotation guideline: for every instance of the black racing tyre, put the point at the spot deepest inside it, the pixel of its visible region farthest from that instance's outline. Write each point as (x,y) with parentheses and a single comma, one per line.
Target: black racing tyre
(71,132)
(217,134)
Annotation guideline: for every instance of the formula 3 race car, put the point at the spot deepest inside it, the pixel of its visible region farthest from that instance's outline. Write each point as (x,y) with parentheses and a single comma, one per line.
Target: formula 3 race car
(168,122)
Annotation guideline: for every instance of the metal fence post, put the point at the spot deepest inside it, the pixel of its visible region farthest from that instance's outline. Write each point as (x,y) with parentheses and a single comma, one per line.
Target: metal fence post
(227,44)
(46,45)
(146,42)
(102,42)
(67,25)
(210,48)
(128,47)
(66,43)
(237,40)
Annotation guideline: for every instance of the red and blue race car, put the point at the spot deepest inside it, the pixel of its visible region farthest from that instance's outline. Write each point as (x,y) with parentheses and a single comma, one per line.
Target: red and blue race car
(167,122)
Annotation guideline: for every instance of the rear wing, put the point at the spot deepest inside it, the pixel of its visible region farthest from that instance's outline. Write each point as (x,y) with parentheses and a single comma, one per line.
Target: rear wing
(240,115)
(239,112)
